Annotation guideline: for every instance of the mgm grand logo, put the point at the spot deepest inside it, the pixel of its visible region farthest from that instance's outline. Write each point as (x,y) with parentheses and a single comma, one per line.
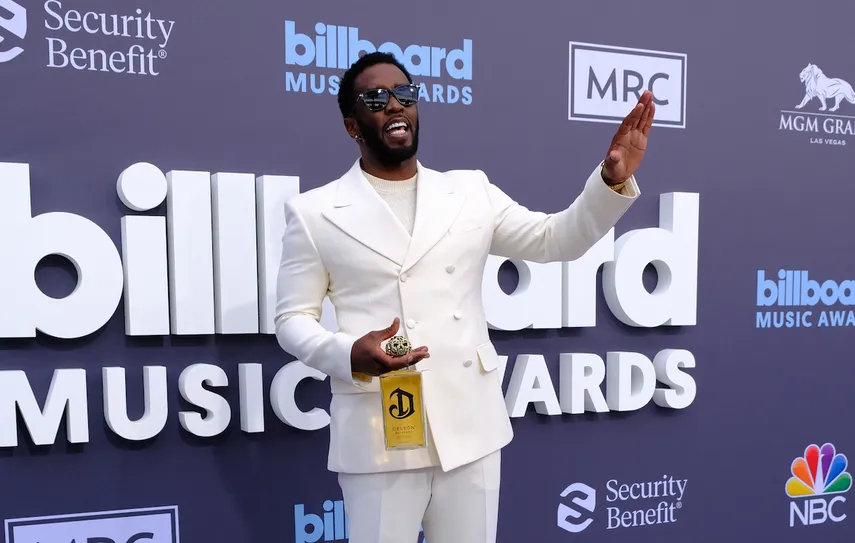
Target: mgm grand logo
(817,113)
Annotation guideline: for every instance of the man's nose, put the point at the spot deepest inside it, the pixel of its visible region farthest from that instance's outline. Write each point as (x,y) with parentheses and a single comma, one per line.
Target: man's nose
(394,106)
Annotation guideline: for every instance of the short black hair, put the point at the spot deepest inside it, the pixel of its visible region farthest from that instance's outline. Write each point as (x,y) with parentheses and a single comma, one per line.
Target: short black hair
(347,87)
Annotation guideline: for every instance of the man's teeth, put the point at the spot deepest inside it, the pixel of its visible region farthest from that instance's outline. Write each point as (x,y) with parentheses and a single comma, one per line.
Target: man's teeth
(397,127)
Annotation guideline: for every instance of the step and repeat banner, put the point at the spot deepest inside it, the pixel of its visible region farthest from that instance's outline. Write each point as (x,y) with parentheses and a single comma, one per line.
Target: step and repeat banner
(688,379)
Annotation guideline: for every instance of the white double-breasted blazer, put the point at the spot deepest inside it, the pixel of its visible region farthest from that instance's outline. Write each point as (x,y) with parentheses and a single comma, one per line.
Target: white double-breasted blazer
(342,240)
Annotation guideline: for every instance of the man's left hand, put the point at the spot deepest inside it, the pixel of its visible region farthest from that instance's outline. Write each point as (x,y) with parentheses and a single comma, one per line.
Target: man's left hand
(630,141)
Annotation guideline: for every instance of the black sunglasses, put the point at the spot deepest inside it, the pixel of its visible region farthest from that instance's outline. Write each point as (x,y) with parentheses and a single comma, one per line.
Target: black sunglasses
(378,99)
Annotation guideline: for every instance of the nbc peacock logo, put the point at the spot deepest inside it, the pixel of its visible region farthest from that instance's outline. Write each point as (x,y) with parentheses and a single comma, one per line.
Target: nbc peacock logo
(819,478)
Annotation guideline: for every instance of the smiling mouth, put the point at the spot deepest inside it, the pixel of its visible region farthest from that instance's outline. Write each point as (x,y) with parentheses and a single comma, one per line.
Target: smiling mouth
(397,129)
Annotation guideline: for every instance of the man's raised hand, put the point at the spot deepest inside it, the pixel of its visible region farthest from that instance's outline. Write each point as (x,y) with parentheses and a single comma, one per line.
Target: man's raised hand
(630,141)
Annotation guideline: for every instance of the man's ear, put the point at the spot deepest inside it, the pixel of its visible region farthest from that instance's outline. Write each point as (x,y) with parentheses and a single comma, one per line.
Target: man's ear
(351,127)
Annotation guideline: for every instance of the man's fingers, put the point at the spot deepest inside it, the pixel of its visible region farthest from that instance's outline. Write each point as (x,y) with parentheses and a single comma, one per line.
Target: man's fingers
(635,115)
(398,362)
(646,97)
(647,126)
(639,113)
(641,116)
(394,326)
(630,121)
(384,359)
(389,332)
(626,125)
(419,356)
(404,361)
(613,156)
(642,122)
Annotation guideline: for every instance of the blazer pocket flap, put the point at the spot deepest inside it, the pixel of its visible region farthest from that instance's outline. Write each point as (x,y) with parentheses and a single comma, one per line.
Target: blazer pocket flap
(488,356)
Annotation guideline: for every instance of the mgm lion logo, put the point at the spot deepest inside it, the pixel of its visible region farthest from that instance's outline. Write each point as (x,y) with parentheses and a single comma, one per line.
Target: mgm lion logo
(823,88)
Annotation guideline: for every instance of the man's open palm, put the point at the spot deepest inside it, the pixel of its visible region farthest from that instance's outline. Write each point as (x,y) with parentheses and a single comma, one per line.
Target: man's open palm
(630,140)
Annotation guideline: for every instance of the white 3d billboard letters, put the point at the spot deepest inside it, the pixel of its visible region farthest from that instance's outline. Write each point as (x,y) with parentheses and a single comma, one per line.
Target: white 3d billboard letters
(172,284)
(69,397)
(672,249)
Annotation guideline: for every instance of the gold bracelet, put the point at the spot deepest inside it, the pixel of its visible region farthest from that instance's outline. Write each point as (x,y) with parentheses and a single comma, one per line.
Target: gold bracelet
(361,377)
(617,188)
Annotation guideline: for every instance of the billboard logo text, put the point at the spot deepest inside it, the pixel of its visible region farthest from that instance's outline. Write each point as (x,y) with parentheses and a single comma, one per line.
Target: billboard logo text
(336,47)
(795,300)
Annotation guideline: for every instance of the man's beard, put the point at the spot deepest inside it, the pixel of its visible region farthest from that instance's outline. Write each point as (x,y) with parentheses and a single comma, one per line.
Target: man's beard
(384,154)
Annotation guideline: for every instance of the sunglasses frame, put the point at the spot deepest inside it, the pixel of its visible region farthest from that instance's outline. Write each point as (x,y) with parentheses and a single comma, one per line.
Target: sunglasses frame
(390,93)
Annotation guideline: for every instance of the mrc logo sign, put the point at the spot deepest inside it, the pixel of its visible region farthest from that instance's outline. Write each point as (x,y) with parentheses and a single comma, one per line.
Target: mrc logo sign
(607,81)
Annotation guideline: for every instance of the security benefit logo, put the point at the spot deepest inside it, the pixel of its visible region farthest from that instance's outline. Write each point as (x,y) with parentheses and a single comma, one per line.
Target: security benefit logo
(627,505)
(819,480)
(128,41)
(826,113)
(579,514)
(150,525)
(316,57)
(606,83)
(795,300)
(13,29)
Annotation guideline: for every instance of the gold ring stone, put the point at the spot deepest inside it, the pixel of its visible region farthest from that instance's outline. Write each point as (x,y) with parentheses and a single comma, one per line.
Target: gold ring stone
(398,346)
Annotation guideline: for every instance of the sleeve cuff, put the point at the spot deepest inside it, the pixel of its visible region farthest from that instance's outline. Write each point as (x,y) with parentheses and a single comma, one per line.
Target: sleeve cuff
(630,189)
(328,352)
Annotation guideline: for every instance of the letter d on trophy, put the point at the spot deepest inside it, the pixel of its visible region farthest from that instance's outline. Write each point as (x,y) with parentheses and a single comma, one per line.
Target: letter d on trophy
(403,410)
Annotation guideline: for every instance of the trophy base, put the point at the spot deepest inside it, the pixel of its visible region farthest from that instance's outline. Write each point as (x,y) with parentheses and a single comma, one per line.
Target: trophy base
(403,410)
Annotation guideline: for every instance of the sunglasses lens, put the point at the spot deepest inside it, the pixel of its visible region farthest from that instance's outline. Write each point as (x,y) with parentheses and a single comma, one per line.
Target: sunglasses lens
(376,100)
(407,95)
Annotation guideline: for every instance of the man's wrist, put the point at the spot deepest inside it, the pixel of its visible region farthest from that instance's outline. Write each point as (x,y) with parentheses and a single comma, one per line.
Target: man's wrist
(616,186)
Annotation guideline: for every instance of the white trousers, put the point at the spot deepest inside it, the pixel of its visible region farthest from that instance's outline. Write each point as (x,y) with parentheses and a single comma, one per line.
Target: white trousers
(461,505)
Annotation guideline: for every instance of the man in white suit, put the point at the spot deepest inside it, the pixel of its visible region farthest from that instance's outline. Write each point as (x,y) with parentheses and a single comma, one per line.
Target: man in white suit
(393,242)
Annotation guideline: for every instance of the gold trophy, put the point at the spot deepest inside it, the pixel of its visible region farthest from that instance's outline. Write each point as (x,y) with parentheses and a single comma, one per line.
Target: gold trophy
(403,409)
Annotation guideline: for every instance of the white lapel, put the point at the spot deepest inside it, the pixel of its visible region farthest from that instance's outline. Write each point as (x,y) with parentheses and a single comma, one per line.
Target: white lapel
(363,215)
(437,206)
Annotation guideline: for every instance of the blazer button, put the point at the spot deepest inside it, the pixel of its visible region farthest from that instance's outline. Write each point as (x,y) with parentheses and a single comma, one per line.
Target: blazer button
(411,323)
(449,269)
(404,277)
(458,315)
(467,363)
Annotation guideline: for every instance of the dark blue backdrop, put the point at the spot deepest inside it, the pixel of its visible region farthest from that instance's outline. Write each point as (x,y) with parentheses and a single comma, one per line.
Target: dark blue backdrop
(773,192)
